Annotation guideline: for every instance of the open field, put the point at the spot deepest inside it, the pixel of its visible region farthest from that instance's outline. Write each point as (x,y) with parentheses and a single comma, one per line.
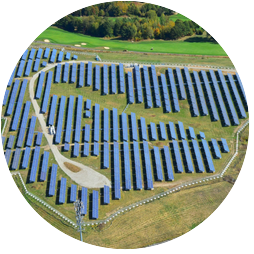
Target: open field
(56,35)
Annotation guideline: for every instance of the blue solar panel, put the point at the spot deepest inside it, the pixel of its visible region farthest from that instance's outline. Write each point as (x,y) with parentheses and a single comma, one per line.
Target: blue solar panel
(68,127)
(66,147)
(113,79)
(75,57)
(241,91)
(200,97)
(219,99)
(96,149)
(106,198)
(95,213)
(7,155)
(153,131)
(170,175)
(35,163)
(39,85)
(165,94)
(89,74)
(62,193)
(26,157)
(130,89)
(76,149)
(39,53)
(53,56)
(148,168)
(138,84)
(15,160)
(20,69)
(52,110)
(24,56)
(236,97)
(60,56)
(15,121)
(97,78)
(202,135)
(12,77)
(60,120)
(38,138)
(105,125)
(147,88)
(88,104)
(117,190)
(198,158)
(105,79)
(225,148)
(44,64)
(66,73)
(208,156)
(73,193)
(46,53)
(73,73)
(81,75)
(178,160)
(67,56)
(36,65)
(121,78)
(137,166)
(186,150)
(115,125)
(31,55)
(192,133)
(10,142)
(30,135)
(86,149)
(134,129)
(228,100)
(78,118)
(106,155)
(52,183)
(163,131)
(216,149)
(124,127)
(12,98)
(158,166)
(6,94)
(155,87)
(174,96)
(44,167)
(181,130)
(96,122)
(84,200)
(172,132)
(143,129)
(46,93)
(58,73)
(127,170)
(87,133)
(28,67)
(23,124)
(3,140)
(182,94)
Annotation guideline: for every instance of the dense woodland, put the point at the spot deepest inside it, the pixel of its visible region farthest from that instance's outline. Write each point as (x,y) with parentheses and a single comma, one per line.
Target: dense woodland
(128,21)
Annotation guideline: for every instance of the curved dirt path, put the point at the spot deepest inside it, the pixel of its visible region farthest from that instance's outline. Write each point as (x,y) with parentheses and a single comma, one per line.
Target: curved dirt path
(87,177)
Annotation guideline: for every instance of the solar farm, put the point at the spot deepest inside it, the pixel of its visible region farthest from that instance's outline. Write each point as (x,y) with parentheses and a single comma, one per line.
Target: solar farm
(112,135)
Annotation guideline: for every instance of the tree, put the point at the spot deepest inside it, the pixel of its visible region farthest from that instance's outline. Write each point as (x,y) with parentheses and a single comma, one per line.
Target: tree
(157,33)
(128,31)
(163,19)
(117,27)
(151,15)
(106,28)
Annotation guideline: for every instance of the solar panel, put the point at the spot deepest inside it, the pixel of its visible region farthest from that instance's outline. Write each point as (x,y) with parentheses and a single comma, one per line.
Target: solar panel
(35,163)
(81,75)
(138,84)
(147,88)
(62,193)
(52,183)
(113,79)
(174,96)
(39,53)
(97,78)
(10,142)
(38,138)
(44,167)
(67,56)
(105,125)
(156,88)
(138,178)
(148,168)
(87,114)
(172,132)
(7,155)
(75,57)
(178,160)
(86,149)
(76,150)
(96,122)
(73,193)
(134,129)
(198,157)
(15,160)
(158,166)
(117,190)
(165,94)
(95,149)
(124,127)
(20,69)
(186,150)
(46,92)
(59,127)
(84,200)
(106,155)
(127,171)
(216,149)
(170,175)
(130,89)
(153,131)
(105,80)
(12,98)
(88,104)
(78,118)
(181,130)
(89,74)
(66,73)
(143,129)
(60,56)
(106,198)
(182,94)
(26,157)
(208,156)
(36,65)
(95,201)
(163,131)
(202,135)
(31,131)
(66,147)
(115,125)
(39,85)
(68,127)
(46,53)
(241,91)
(58,73)
(192,133)
(24,56)
(87,133)
(44,64)
(53,56)
(52,112)
(31,55)
(73,73)
(3,140)
(225,148)
(12,77)
(121,78)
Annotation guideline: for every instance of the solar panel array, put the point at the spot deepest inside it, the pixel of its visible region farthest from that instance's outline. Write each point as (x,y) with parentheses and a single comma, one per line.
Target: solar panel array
(106,125)
(83,198)
(216,149)
(7,155)
(44,167)
(78,118)
(20,69)
(172,132)
(95,203)
(68,128)
(58,73)
(53,56)
(147,88)
(198,157)
(59,127)
(22,128)
(60,56)
(192,133)
(181,130)
(186,150)
(96,149)
(178,161)
(117,189)
(182,94)
(87,133)
(67,56)
(106,155)
(130,89)
(39,85)
(36,65)
(52,183)
(35,163)
(96,122)
(153,131)
(219,99)
(31,55)
(88,104)
(225,148)
(89,74)
(24,56)
(106,198)
(105,79)
(134,130)
(73,193)
(46,92)
(163,134)
(52,112)
(241,90)
(26,157)
(62,192)
(138,177)
(208,156)
(46,53)
(138,84)
(10,142)
(127,170)
(121,78)
(143,129)
(169,169)
(174,92)
(81,74)
(39,53)
(12,98)
(157,102)
(124,127)
(73,73)
(200,95)
(76,149)
(30,135)
(113,79)
(115,125)
(97,78)
(19,104)
(148,168)
(165,94)
(158,166)
(38,138)
(86,149)
(66,73)
(12,77)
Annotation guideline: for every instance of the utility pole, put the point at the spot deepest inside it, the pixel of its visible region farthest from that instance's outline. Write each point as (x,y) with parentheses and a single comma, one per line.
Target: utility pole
(79,207)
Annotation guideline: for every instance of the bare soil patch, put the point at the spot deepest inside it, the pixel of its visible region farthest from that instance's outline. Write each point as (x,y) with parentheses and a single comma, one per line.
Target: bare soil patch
(72,167)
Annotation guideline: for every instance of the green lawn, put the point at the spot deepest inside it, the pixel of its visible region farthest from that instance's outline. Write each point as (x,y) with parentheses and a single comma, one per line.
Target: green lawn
(179,16)
(56,35)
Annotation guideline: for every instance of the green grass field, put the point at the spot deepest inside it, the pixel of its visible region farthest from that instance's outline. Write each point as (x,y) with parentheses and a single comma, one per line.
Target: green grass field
(56,35)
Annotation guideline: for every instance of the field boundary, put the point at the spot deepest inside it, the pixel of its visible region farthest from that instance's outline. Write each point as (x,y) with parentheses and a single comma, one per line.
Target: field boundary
(144,201)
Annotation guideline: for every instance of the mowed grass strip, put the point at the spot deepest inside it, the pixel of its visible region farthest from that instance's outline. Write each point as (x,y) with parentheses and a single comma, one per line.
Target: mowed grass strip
(57,35)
